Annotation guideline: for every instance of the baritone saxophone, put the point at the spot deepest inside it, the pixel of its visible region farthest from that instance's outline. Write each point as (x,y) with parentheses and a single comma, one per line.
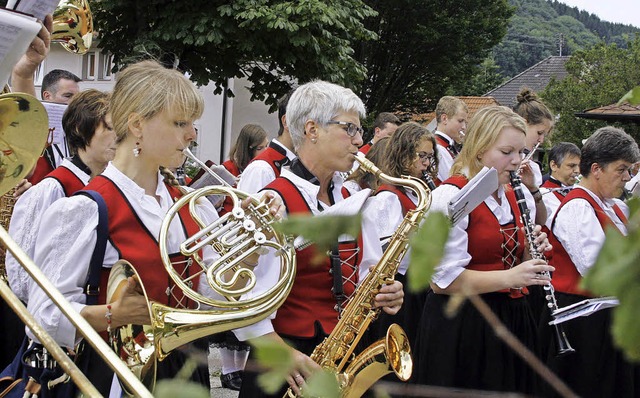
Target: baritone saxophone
(391,354)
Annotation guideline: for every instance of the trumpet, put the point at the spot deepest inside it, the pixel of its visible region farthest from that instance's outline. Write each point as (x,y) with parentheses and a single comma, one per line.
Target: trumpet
(235,236)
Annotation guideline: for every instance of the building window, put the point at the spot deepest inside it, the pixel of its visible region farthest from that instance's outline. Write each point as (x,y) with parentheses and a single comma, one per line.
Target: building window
(106,64)
(89,66)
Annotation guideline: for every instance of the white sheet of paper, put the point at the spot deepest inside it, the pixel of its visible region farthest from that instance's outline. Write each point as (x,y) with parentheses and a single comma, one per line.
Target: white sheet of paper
(471,195)
(16,33)
(582,308)
(55,112)
(37,8)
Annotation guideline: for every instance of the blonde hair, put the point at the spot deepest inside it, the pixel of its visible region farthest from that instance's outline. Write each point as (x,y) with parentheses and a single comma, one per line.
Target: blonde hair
(147,88)
(449,105)
(483,132)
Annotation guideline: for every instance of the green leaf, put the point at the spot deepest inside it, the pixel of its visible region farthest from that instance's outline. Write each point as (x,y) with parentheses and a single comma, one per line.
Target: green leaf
(323,231)
(427,249)
(278,361)
(632,97)
(170,388)
(322,384)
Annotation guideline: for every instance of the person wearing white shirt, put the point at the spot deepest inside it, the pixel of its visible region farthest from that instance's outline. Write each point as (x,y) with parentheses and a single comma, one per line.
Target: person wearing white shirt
(412,152)
(564,163)
(539,125)
(484,255)
(324,121)
(577,234)
(267,166)
(451,116)
(153,110)
(92,141)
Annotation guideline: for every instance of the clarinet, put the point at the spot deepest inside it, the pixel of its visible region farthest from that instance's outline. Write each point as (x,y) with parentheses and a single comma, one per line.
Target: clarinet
(561,338)
(426,177)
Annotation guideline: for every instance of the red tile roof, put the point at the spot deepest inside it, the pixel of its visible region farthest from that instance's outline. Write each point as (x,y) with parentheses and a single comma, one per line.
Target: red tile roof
(622,112)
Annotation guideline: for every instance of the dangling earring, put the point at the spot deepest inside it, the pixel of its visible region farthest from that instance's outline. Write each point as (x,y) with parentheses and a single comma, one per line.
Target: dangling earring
(137,149)
(313,140)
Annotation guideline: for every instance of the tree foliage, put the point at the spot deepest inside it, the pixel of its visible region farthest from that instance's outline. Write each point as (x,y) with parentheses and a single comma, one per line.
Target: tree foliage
(540,27)
(270,42)
(426,48)
(597,77)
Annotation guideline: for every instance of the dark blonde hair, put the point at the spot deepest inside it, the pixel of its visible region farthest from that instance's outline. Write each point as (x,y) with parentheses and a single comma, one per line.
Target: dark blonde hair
(250,137)
(449,106)
(531,108)
(147,88)
(484,129)
(402,150)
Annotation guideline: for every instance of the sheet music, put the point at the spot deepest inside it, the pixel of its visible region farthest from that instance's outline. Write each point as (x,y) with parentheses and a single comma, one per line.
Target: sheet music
(37,8)
(472,194)
(582,308)
(55,113)
(207,179)
(16,33)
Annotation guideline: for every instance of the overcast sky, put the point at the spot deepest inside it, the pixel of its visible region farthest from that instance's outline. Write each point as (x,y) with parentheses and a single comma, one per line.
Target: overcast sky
(623,11)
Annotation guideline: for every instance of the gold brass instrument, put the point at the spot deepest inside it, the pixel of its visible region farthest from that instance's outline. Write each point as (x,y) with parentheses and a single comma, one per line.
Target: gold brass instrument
(391,354)
(7,202)
(235,237)
(73,26)
(24,128)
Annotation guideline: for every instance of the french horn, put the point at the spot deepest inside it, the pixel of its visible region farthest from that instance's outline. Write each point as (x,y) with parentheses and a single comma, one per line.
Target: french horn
(235,236)
(73,26)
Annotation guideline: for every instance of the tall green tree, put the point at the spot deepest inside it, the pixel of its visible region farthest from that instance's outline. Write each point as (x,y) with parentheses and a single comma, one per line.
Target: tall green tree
(597,77)
(270,42)
(426,48)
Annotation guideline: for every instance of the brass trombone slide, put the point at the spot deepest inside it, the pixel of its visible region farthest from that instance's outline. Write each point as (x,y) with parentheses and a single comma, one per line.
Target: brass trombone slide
(120,368)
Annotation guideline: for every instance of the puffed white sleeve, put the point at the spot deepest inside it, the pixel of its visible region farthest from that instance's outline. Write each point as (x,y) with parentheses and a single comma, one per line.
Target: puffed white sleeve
(456,256)
(578,230)
(65,242)
(256,176)
(23,228)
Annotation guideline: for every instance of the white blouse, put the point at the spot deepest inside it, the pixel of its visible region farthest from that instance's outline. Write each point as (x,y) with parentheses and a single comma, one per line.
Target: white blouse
(578,230)
(456,256)
(266,277)
(259,173)
(25,222)
(67,237)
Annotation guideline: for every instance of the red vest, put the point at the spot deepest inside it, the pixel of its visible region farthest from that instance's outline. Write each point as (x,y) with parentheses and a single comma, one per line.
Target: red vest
(566,277)
(136,244)
(446,145)
(311,299)
(231,166)
(405,201)
(274,158)
(487,244)
(365,148)
(43,168)
(553,185)
(68,180)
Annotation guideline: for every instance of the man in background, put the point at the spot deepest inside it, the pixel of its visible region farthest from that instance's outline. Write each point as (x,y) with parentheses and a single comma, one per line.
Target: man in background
(385,125)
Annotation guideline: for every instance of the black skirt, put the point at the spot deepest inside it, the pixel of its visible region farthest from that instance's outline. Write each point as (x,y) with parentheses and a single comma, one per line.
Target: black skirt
(464,351)
(596,368)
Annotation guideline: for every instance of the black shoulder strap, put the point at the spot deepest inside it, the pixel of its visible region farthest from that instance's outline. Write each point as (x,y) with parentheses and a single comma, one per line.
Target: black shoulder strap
(92,287)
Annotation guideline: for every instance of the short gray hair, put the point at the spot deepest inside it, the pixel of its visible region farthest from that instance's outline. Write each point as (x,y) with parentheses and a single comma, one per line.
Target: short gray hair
(607,145)
(319,101)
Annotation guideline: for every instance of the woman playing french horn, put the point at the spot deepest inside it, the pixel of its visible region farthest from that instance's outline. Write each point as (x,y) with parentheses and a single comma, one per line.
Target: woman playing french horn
(324,121)
(153,110)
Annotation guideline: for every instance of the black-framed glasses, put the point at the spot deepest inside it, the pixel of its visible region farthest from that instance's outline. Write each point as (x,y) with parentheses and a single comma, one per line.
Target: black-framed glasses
(426,156)
(352,129)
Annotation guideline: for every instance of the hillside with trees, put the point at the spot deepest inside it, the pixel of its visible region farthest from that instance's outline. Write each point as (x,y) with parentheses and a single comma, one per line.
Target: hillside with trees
(541,28)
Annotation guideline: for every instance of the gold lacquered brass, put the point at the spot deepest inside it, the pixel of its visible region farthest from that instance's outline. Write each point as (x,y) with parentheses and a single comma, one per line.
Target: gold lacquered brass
(235,237)
(73,26)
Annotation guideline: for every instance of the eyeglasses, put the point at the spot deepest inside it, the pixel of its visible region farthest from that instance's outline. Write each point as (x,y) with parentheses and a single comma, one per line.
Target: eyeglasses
(426,156)
(351,130)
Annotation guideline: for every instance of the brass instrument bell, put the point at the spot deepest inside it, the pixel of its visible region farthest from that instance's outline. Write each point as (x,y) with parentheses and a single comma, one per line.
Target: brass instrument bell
(73,26)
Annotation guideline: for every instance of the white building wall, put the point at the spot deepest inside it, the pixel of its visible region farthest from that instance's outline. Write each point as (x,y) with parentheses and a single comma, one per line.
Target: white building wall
(214,138)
